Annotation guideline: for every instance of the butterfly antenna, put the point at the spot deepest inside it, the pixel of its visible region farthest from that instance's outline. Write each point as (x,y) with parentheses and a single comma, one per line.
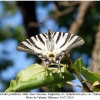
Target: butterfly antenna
(51,26)
(54,25)
(43,25)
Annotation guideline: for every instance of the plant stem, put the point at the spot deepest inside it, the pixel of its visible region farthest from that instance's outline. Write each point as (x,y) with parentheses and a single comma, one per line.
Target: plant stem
(85,87)
(70,65)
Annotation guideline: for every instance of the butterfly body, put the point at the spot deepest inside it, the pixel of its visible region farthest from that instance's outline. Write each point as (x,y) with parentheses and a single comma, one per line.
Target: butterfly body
(51,46)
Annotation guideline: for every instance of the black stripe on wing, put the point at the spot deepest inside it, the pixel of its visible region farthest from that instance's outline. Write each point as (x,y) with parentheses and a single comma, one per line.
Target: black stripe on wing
(35,36)
(54,33)
(29,45)
(22,47)
(34,44)
(79,41)
(64,34)
(71,36)
(68,36)
(58,37)
(41,39)
(44,36)
(28,42)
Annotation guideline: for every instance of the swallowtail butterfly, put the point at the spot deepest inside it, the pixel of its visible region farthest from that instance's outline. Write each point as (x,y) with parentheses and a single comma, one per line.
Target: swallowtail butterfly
(51,46)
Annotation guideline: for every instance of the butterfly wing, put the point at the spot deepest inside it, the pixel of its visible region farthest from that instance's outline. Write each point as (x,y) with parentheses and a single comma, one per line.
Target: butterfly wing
(33,45)
(57,42)
(66,41)
(37,45)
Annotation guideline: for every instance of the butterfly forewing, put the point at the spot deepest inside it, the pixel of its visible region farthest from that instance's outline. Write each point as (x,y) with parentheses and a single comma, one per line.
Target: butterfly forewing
(33,45)
(66,41)
(51,44)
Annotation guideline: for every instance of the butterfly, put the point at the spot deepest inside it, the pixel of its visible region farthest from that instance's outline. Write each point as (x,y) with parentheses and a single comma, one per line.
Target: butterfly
(51,46)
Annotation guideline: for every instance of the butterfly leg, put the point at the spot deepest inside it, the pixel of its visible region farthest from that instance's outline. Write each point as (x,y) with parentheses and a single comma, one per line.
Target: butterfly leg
(59,67)
(46,69)
(60,70)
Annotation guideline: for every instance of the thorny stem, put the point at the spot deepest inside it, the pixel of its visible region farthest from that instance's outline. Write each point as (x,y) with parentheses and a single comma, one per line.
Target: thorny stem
(70,64)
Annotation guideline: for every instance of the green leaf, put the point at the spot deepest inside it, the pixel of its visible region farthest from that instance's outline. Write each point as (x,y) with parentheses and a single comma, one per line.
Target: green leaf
(61,84)
(55,88)
(29,72)
(36,76)
(52,12)
(81,68)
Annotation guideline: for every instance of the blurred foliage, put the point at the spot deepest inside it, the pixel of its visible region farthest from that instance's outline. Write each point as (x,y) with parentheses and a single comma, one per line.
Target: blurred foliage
(8,32)
(4,63)
(52,12)
(87,30)
(9,8)
(44,3)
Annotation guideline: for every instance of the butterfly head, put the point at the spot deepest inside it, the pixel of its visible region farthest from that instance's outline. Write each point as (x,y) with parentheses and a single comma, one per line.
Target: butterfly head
(51,57)
(49,33)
